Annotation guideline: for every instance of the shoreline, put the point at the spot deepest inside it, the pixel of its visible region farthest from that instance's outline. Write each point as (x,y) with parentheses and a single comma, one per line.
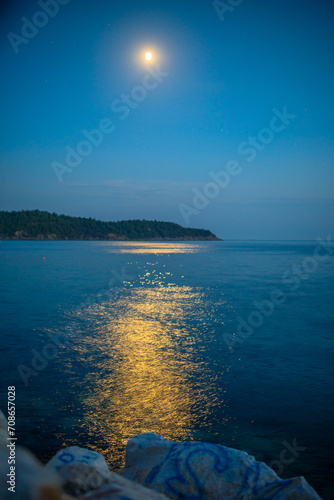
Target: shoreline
(112,239)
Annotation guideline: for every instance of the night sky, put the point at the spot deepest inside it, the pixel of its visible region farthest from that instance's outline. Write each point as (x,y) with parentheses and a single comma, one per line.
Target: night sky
(229,127)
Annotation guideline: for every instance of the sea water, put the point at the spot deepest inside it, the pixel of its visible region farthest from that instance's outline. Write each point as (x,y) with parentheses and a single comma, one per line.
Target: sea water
(225,342)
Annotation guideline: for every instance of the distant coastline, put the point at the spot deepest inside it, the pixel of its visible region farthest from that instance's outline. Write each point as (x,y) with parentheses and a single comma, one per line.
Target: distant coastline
(36,225)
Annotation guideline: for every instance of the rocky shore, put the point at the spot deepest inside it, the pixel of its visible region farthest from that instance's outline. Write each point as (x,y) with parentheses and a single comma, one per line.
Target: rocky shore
(155,469)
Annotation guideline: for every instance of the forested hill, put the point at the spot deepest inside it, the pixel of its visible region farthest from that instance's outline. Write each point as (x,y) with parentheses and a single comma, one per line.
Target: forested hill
(37,225)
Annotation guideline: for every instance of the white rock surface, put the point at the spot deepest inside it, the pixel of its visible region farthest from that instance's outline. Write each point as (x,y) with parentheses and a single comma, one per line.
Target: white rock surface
(74,454)
(206,471)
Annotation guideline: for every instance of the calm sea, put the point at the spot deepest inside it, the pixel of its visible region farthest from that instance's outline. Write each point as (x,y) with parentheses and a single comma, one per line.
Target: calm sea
(116,339)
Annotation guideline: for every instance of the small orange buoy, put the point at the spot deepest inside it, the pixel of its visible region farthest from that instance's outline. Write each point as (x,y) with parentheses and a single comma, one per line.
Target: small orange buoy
(44,258)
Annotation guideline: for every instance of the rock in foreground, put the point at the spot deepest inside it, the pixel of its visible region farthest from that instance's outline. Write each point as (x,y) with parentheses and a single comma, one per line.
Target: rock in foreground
(206,471)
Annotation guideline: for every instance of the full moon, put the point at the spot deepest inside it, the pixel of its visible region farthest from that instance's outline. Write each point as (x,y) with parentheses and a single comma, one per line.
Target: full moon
(148,56)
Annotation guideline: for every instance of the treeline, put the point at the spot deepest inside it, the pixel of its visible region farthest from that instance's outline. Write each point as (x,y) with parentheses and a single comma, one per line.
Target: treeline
(36,224)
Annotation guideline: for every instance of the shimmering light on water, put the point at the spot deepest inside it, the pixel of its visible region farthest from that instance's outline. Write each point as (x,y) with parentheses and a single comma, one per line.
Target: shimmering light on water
(148,372)
(156,248)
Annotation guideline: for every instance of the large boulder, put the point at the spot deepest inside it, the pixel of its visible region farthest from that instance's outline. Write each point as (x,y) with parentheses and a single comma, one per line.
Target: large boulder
(206,471)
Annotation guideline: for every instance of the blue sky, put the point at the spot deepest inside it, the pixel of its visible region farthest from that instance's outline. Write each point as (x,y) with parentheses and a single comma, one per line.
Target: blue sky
(225,78)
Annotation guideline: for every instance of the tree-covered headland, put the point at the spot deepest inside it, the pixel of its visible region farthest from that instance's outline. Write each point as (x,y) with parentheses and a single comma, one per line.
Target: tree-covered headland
(40,225)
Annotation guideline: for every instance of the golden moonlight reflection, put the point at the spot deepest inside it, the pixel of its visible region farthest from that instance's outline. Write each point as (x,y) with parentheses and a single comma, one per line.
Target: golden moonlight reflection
(150,247)
(142,368)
